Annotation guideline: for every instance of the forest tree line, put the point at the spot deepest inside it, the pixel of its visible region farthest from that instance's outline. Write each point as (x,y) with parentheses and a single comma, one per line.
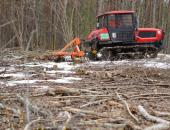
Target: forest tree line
(49,24)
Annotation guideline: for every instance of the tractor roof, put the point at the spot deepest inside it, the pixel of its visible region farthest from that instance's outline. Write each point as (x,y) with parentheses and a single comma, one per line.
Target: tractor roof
(117,12)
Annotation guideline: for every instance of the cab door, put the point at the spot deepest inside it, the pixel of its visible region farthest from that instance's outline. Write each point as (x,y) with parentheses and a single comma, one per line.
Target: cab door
(102,22)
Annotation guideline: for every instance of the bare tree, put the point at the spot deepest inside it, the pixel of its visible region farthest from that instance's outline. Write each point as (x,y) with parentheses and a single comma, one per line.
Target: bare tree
(56,22)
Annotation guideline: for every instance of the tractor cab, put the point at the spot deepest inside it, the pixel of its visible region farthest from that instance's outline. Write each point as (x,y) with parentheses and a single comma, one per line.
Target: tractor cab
(121,25)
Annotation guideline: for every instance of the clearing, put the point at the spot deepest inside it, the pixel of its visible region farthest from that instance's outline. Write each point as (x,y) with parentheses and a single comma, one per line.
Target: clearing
(92,95)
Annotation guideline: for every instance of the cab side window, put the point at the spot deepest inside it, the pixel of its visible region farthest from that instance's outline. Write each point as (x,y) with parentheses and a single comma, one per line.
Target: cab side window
(102,21)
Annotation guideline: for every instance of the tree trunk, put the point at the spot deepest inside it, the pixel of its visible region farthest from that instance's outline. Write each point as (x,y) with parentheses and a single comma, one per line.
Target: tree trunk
(100,6)
(154,12)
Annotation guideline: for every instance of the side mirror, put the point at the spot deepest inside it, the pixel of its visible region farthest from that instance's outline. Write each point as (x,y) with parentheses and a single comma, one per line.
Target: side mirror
(97,25)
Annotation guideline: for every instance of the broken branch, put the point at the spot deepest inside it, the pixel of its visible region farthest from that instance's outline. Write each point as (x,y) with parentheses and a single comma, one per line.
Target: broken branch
(127,107)
(162,124)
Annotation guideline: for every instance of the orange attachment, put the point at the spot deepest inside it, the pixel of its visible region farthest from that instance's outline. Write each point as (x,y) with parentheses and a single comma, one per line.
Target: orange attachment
(77,41)
(76,50)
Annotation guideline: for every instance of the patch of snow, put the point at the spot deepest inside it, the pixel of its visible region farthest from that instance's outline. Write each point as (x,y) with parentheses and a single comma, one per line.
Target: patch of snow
(60,71)
(65,80)
(15,75)
(65,72)
(2,83)
(157,65)
(72,78)
(2,69)
(100,62)
(121,62)
(48,64)
(164,56)
(161,62)
(51,72)
(48,67)
(39,64)
(66,66)
(20,82)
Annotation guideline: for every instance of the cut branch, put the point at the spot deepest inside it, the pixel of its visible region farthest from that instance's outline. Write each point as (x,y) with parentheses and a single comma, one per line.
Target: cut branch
(127,107)
(162,124)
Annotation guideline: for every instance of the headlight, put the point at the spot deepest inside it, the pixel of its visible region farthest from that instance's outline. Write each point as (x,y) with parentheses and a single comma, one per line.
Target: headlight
(99,55)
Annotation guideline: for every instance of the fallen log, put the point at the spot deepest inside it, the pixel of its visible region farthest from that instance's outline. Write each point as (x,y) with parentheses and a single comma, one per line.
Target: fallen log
(161,123)
(106,115)
(61,90)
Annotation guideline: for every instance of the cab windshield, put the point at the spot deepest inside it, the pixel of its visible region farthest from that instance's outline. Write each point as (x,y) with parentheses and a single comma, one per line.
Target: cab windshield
(116,21)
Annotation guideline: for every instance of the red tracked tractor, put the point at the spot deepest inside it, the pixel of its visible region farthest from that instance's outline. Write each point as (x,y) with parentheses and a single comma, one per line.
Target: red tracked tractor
(116,36)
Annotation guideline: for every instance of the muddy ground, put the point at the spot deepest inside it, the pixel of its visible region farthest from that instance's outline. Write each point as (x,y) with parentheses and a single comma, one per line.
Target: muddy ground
(44,95)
